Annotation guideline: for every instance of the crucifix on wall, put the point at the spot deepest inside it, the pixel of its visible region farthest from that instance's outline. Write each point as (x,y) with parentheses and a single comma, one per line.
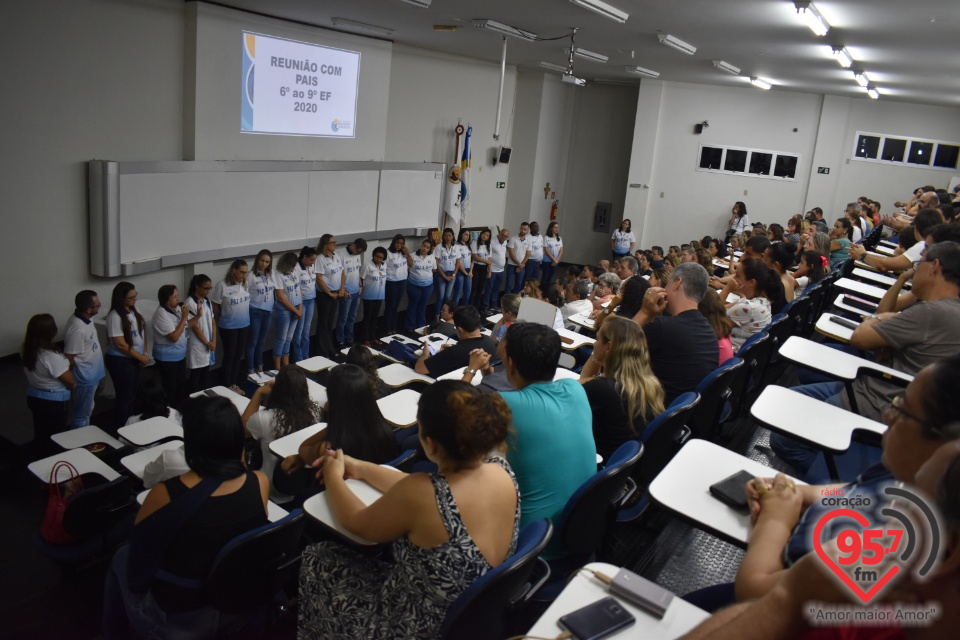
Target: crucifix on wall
(546,191)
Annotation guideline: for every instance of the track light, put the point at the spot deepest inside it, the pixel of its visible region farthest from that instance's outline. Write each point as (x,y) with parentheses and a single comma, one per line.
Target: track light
(861,78)
(640,71)
(504,29)
(726,66)
(843,57)
(812,17)
(553,67)
(676,43)
(586,55)
(361,26)
(420,4)
(759,83)
(603,9)
(873,93)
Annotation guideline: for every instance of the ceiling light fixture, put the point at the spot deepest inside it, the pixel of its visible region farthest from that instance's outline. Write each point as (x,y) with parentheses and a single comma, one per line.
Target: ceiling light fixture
(420,4)
(843,57)
(603,9)
(586,55)
(861,78)
(361,26)
(873,93)
(640,71)
(760,83)
(553,67)
(504,29)
(676,43)
(812,17)
(726,66)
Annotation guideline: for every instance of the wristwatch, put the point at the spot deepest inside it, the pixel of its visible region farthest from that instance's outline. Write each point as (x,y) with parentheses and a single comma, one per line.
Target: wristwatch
(467,370)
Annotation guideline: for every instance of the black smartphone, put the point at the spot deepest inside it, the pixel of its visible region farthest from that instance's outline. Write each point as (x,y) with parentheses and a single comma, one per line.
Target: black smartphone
(843,322)
(210,393)
(597,620)
(730,491)
(435,338)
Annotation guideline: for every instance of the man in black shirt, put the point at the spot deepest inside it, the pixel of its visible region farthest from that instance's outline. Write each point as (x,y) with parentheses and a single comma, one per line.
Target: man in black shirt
(449,358)
(683,346)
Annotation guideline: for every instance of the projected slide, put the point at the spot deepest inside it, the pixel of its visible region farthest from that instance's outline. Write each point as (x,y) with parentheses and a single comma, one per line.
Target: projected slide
(298,89)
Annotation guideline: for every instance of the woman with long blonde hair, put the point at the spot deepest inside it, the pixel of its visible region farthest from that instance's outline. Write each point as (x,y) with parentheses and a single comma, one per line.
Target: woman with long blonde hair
(624,393)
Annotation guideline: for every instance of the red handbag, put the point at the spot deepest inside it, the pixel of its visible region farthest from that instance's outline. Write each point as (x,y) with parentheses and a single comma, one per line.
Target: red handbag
(51,529)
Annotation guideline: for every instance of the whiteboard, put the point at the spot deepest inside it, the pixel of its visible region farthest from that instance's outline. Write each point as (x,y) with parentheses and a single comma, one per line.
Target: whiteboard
(409,198)
(342,202)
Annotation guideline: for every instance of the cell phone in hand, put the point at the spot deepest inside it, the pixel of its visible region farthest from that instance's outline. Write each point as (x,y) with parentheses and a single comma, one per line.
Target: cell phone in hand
(730,491)
(597,620)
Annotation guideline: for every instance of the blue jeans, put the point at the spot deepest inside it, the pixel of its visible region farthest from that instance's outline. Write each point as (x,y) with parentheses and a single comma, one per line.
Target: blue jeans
(82,405)
(125,373)
(300,345)
(417,299)
(800,456)
(444,290)
(347,317)
(462,286)
(259,328)
(284,326)
(546,274)
(493,289)
(393,295)
(514,279)
(532,272)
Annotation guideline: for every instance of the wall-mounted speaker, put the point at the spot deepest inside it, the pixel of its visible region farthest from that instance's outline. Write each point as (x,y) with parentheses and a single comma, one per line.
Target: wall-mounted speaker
(503,155)
(698,129)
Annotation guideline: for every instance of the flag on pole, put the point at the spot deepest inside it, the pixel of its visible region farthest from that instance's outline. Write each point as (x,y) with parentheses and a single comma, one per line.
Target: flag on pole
(466,162)
(452,202)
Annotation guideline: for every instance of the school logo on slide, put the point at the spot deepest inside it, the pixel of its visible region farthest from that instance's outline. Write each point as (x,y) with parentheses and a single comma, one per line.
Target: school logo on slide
(335,125)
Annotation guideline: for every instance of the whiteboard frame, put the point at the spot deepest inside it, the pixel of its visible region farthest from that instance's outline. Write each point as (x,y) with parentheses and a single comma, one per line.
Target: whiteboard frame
(103,179)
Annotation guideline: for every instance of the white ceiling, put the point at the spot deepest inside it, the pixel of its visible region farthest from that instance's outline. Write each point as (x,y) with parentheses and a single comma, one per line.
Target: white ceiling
(910,50)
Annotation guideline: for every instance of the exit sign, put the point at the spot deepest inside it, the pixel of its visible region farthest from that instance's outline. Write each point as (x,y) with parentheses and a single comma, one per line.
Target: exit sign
(501,185)
(823,170)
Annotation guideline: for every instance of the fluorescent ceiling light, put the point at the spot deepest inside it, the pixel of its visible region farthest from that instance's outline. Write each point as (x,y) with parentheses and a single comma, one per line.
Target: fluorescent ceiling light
(554,67)
(726,66)
(421,4)
(504,29)
(873,93)
(861,78)
(843,57)
(759,83)
(361,26)
(586,55)
(640,71)
(603,9)
(676,43)
(812,17)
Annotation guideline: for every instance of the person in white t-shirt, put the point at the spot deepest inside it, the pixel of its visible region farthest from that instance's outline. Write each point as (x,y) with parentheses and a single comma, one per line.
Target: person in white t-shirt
(552,253)
(306,275)
(231,308)
(170,336)
(518,254)
(536,243)
(374,288)
(498,261)
(420,285)
(202,339)
(622,241)
(448,263)
(81,345)
(261,286)
(331,280)
(352,257)
(288,308)
(464,282)
(398,266)
(127,349)
(481,266)
(49,382)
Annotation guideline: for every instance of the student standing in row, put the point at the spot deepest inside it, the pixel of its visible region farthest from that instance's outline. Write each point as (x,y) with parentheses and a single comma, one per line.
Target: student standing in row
(448,263)
(518,254)
(288,308)
(49,381)
(202,339)
(536,243)
(260,284)
(170,336)
(481,267)
(82,348)
(307,278)
(464,282)
(398,264)
(350,301)
(231,309)
(498,260)
(374,285)
(420,285)
(330,279)
(552,252)
(622,241)
(127,351)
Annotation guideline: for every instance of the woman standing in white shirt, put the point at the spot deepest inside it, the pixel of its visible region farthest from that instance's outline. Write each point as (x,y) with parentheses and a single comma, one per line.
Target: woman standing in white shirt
(170,343)
(622,241)
(398,265)
(481,266)
(331,278)
(464,282)
(307,276)
(552,252)
(373,291)
(127,350)
(420,285)
(202,339)
(231,309)
(448,263)
(288,307)
(49,381)
(260,284)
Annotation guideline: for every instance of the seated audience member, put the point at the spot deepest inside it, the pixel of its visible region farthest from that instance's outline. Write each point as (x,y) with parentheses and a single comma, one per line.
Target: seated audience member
(841,239)
(755,247)
(922,223)
(446,528)
(630,267)
(589,275)
(576,301)
(811,270)
(573,272)
(656,257)
(717,249)
(673,251)
(687,254)
(704,259)
(449,358)
(920,334)
(604,267)
(608,285)
(658,278)
(759,229)
(624,394)
(531,289)
(794,230)
(362,357)
(756,284)
(856,225)
(509,308)
(683,346)
(779,257)
(445,324)
(627,302)
(671,263)
(186,547)
(551,447)
(900,222)
(919,421)
(713,309)
(775,233)
(153,403)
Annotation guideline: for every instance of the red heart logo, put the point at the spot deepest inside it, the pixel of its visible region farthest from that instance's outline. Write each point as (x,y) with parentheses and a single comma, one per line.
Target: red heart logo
(865,596)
